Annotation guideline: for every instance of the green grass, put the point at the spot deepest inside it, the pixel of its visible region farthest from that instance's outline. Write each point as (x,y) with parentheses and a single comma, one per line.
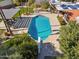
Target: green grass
(1,0)
(1,32)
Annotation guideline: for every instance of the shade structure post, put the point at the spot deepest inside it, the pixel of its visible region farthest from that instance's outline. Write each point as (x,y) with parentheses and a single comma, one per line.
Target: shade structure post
(5,22)
(39,45)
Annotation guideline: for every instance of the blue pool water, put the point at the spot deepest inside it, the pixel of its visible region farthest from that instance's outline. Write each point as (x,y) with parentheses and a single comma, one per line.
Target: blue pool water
(40,27)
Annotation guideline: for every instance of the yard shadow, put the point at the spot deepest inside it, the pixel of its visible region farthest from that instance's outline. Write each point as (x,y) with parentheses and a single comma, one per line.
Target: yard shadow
(48,52)
(54,32)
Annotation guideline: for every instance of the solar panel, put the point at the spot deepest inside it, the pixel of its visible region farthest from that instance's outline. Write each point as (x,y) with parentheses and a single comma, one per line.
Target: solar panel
(72,6)
(68,7)
(77,5)
(64,6)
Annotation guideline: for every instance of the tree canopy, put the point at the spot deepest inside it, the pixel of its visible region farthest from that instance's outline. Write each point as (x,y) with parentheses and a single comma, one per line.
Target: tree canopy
(45,4)
(19,47)
(69,40)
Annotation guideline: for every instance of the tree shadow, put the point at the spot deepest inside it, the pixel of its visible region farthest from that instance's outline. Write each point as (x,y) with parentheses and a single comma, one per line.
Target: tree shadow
(55,30)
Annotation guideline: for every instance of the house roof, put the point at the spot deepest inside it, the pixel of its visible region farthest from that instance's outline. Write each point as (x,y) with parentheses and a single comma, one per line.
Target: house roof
(74,14)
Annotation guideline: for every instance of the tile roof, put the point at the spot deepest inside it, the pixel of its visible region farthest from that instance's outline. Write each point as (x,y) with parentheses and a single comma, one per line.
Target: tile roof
(74,14)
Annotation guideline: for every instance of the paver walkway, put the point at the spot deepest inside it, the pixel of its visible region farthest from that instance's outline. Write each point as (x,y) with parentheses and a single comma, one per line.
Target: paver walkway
(55,25)
(2,25)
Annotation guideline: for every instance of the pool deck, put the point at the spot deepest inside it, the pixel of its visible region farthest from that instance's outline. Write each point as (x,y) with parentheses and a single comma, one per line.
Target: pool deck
(2,25)
(55,25)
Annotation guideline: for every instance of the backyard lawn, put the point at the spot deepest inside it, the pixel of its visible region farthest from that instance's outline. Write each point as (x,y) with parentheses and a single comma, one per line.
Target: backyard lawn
(1,0)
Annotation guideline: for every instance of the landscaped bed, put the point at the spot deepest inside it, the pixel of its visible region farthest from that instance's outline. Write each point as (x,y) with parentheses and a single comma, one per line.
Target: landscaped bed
(19,47)
(60,19)
(26,11)
(1,0)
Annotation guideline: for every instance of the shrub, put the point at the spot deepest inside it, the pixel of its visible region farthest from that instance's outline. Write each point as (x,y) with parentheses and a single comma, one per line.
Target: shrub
(30,2)
(23,45)
(45,5)
(69,39)
(27,10)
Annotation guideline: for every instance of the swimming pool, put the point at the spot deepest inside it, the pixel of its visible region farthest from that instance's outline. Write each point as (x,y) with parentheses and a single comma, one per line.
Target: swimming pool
(40,27)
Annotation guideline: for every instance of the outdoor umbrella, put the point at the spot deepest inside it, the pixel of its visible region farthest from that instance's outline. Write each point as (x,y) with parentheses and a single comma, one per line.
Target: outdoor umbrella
(39,27)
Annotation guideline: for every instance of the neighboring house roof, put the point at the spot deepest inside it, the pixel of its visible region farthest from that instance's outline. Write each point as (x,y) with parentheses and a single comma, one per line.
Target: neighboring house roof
(74,14)
(9,13)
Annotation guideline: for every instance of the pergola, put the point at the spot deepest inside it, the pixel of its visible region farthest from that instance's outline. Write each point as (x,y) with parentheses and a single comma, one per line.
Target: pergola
(9,13)
(6,15)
